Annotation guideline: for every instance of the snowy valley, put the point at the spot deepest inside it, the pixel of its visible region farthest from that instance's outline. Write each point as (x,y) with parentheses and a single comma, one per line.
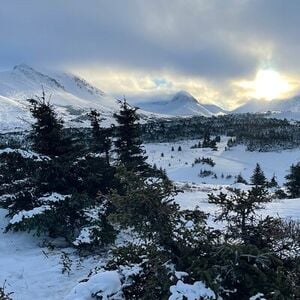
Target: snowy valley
(87,214)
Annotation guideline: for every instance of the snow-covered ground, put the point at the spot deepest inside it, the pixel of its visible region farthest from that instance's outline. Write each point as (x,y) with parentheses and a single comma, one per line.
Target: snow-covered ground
(33,271)
(180,168)
(232,162)
(286,208)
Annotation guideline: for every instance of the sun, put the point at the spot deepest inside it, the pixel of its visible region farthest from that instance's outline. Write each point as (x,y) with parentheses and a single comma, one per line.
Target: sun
(269,84)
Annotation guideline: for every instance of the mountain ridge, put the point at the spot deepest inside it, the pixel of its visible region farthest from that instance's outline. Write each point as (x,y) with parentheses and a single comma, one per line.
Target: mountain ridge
(276,105)
(181,103)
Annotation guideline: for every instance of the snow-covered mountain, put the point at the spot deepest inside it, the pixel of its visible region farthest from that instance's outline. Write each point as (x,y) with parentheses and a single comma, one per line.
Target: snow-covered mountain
(283,105)
(215,109)
(72,95)
(181,104)
(66,89)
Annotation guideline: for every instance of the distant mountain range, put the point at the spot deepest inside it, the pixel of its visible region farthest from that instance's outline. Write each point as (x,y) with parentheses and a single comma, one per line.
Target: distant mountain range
(181,104)
(184,104)
(287,105)
(74,97)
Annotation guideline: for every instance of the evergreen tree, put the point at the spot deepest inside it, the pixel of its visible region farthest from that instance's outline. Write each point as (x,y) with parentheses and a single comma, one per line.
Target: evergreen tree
(206,140)
(293,181)
(101,140)
(145,205)
(128,144)
(240,179)
(273,182)
(239,210)
(258,177)
(47,131)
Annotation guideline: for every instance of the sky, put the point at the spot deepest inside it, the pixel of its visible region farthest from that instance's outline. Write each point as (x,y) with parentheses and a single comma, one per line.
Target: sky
(222,52)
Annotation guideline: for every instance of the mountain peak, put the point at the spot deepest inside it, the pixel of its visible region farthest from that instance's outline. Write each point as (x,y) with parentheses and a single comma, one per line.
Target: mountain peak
(37,77)
(23,67)
(183,96)
(183,93)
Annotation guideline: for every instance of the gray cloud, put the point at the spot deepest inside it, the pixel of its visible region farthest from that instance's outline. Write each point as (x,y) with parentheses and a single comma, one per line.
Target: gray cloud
(216,40)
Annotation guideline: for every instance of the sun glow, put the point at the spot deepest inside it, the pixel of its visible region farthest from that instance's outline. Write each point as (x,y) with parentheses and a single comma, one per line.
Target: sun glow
(269,84)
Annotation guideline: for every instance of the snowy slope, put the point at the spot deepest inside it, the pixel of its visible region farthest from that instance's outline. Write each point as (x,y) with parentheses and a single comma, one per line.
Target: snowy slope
(179,167)
(35,272)
(66,89)
(72,95)
(215,109)
(291,105)
(179,164)
(181,104)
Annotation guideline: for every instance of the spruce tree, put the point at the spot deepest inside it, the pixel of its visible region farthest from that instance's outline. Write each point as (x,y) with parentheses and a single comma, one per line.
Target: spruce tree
(258,177)
(239,210)
(240,179)
(293,181)
(47,131)
(128,143)
(101,136)
(273,182)
(206,140)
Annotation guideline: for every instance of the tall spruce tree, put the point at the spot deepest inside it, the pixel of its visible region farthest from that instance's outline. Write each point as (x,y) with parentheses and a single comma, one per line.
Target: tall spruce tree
(47,130)
(293,181)
(258,177)
(101,136)
(128,144)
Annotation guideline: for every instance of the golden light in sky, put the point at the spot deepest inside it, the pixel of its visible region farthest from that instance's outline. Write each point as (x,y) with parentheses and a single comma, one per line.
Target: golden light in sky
(269,84)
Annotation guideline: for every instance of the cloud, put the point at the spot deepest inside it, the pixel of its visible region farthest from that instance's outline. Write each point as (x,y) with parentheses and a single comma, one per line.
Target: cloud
(213,42)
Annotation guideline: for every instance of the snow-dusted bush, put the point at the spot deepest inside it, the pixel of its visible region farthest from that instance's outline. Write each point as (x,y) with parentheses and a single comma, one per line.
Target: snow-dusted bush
(194,291)
(3,294)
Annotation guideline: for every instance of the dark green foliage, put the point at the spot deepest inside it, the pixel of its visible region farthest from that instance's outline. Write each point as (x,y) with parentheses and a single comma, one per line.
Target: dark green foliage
(205,160)
(198,145)
(255,131)
(144,204)
(47,132)
(154,279)
(239,210)
(273,182)
(206,140)
(92,174)
(206,173)
(240,179)
(293,181)
(66,263)
(128,143)
(101,142)
(3,294)
(258,177)
(244,271)
(77,177)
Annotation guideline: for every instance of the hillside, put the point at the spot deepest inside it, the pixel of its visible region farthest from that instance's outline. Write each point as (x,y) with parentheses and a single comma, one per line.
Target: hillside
(181,104)
(72,95)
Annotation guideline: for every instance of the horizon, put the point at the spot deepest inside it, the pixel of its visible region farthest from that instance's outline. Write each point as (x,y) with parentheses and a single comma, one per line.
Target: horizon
(146,98)
(221,53)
